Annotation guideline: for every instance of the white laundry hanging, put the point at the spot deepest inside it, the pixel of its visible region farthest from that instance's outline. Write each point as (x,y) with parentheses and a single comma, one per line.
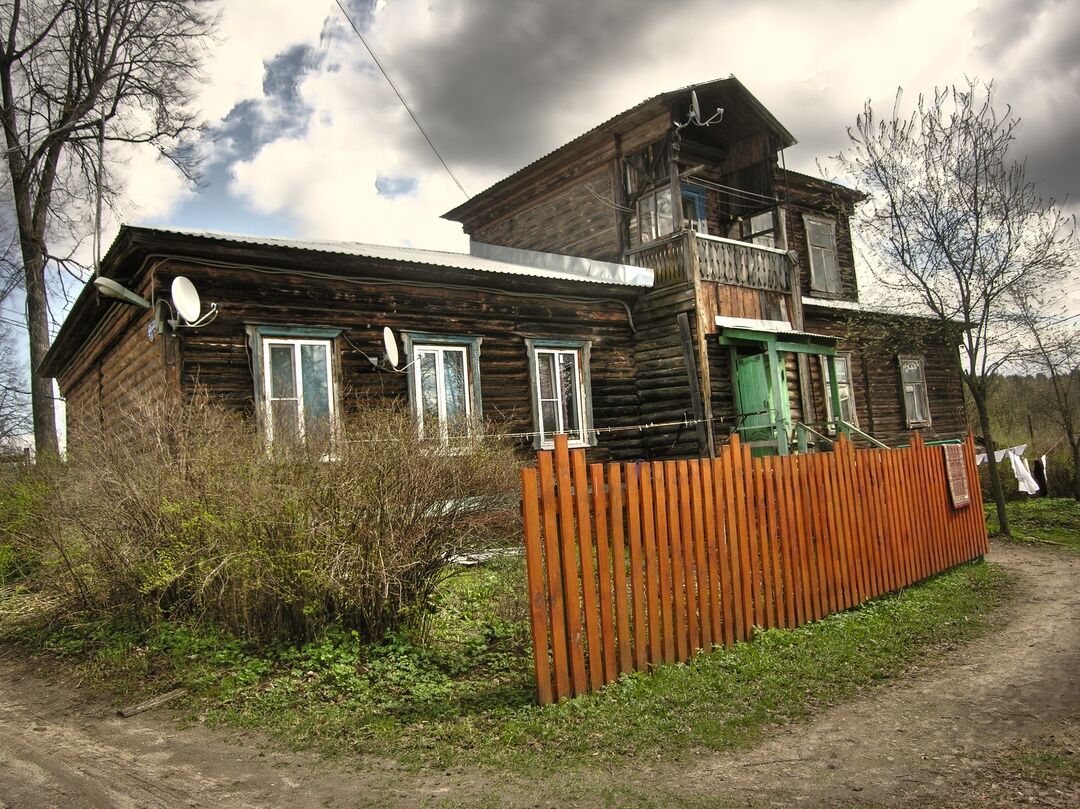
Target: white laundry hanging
(1023,475)
(1000,455)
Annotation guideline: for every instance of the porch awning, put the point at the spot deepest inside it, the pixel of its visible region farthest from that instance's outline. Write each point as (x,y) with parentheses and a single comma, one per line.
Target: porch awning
(778,332)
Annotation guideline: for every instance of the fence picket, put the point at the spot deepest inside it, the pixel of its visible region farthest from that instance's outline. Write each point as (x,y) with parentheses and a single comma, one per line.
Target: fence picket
(630,565)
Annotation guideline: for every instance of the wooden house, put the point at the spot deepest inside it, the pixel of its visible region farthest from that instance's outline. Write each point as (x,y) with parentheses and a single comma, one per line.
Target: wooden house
(647,288)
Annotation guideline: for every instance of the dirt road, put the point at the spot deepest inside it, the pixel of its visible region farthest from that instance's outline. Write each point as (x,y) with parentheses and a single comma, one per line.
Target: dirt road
(927,735)
(933,733)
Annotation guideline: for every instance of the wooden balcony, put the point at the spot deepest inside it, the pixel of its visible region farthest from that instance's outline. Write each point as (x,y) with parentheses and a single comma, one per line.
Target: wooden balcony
(674,258)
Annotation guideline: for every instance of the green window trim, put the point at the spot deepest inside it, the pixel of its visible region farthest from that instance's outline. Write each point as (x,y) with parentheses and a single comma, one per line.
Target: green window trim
(583,348)
(414,340)
(257,337)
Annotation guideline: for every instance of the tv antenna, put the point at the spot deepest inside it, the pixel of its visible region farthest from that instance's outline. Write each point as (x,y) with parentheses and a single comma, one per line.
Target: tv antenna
(695,114)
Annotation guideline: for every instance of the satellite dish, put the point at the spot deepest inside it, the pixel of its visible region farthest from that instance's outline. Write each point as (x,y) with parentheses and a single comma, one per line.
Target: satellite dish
(186,299)
(391,346)
(695,107)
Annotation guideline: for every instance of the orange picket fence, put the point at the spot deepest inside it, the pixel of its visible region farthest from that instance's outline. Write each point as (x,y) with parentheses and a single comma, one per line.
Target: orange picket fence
(635,564)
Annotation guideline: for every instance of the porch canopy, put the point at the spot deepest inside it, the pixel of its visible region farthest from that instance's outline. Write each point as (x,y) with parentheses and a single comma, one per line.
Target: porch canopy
(770,339)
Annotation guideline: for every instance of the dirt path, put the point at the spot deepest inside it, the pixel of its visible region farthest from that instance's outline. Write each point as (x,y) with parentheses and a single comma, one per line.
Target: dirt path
(60,747)
(934,733)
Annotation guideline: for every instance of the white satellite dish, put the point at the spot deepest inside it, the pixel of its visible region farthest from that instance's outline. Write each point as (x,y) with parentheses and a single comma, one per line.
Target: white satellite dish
(391,346)
(186,299)
(695,107)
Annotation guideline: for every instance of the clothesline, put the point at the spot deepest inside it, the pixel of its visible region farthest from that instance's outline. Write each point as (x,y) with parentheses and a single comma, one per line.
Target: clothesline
(1025,481)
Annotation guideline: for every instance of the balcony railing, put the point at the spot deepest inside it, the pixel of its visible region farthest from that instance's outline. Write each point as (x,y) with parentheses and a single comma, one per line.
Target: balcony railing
(725,261)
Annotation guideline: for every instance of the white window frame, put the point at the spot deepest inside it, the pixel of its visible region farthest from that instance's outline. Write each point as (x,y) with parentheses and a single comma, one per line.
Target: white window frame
(417,342)
(819,277)
(296,343)
(654,232)
(581,351)
(915,386)
(849,386)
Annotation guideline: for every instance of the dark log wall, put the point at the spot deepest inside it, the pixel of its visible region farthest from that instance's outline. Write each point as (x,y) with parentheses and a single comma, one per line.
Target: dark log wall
(577,221)
(803,199)
(119,368)
(570,206)
(879,399)
(217,356)
(662,382)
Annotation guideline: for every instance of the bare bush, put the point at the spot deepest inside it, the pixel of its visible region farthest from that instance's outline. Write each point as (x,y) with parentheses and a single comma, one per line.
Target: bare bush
(184,514)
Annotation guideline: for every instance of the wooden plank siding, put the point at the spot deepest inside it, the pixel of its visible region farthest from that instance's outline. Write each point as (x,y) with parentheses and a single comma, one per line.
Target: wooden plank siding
(875,373)
(217,356)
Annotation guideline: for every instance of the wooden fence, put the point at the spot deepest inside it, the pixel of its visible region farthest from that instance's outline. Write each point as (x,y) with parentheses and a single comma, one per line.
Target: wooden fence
(635,564)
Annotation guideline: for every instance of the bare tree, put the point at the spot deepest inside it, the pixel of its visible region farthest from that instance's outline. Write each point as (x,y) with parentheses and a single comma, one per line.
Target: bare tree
(75,76)
(14,397)
(1053,351)
(955,229)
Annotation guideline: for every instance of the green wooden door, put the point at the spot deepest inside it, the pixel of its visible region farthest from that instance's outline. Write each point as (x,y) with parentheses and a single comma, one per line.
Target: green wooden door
(753,395)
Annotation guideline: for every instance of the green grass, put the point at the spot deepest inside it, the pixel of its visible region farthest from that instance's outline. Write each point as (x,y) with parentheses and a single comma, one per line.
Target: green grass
(1041,519)
(465,695)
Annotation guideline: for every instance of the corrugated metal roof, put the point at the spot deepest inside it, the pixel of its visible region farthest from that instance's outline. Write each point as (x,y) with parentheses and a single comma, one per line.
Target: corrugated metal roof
(770,326)
(635,277)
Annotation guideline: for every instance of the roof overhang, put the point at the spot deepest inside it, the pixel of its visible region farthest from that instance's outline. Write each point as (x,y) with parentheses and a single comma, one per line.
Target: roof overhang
(777,333)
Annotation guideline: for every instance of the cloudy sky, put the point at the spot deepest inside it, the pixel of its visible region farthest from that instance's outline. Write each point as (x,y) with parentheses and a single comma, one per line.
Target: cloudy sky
(307,139)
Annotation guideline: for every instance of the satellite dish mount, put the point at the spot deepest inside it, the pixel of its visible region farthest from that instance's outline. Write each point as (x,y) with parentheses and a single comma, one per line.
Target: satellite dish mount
(695,114)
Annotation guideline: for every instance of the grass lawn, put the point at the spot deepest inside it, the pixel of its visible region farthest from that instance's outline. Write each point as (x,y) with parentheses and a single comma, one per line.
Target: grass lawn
(1041,519)
(464,694)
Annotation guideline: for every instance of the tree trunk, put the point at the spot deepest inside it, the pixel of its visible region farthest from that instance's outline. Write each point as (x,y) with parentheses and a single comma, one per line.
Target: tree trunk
(995,479)
(43,405)
(1074,445)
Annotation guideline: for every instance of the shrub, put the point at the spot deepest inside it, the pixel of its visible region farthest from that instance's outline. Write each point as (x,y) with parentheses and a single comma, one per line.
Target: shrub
(23,498)
(181,513)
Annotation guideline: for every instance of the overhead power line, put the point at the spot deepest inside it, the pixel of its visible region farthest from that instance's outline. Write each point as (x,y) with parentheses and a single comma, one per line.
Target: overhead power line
(401,98)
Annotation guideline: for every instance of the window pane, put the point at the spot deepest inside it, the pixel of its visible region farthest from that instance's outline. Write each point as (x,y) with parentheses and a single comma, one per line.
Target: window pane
(429,393)
(313,362)
(285,420)
(841,371)
(568,395)
(454,383)
(282,380)
(545,368)
(647,217)
(665,219)
(924,405)
(820,234)
(912,404)
(911,370)
(818,272)
(761,222)
(551,424)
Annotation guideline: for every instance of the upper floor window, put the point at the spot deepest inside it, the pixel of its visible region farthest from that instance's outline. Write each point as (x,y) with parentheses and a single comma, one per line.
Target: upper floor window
(654,215)
(444,384)
(562,400)
(693,208)
(296,385)
(759,229)
(845,388)
(821,247)
(913,382)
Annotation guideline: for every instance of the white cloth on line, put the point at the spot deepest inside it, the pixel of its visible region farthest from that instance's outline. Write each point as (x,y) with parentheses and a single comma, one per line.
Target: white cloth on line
(1023,476)
(1000,455)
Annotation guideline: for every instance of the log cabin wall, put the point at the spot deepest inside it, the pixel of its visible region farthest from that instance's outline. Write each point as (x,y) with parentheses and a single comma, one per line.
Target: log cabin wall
(115,370)
(804,195)
(217,355)
(569,205)
(661,374)
(875,372)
